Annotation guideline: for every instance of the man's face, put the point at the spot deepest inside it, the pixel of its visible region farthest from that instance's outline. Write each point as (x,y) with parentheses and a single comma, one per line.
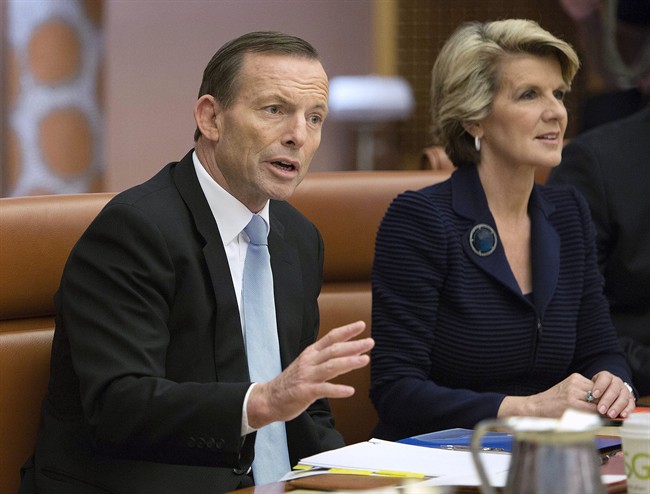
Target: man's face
(268,136)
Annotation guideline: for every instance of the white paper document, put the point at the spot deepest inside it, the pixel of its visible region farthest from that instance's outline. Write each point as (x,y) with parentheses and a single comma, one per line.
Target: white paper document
(386,457)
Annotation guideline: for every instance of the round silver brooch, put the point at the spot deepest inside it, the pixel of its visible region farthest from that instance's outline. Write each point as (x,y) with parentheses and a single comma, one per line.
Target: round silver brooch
(483,239)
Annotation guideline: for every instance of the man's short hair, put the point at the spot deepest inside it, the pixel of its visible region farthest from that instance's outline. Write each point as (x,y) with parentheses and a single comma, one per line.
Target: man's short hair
(220,75)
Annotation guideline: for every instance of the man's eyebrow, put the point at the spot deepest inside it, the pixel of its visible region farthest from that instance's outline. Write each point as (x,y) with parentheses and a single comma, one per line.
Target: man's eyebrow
(277,98)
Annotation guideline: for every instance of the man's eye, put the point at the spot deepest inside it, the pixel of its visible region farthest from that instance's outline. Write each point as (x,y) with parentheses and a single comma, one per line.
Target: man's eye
(273,109)
(315,119)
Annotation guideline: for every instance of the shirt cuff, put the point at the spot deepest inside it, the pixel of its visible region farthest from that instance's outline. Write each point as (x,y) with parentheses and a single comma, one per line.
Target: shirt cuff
(245,428)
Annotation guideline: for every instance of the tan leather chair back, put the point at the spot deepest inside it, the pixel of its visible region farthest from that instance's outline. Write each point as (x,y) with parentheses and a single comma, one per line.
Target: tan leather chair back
(36,235)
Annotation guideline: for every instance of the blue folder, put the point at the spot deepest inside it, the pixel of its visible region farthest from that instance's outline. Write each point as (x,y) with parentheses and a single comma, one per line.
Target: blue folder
(462,438)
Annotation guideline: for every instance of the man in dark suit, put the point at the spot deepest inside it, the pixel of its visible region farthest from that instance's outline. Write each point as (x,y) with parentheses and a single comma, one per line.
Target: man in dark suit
(610,165)
(150,387)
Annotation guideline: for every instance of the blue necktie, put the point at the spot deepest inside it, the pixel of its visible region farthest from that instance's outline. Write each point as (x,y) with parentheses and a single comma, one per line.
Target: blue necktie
(262,348)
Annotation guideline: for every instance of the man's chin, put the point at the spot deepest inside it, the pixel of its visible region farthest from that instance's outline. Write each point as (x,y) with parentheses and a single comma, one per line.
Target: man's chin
(283,192)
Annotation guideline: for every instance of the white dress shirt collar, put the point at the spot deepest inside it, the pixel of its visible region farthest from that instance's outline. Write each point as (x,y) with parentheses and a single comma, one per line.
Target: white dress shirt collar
(229,213)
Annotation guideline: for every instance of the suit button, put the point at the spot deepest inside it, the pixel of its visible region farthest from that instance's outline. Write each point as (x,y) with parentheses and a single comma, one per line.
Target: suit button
(239,471)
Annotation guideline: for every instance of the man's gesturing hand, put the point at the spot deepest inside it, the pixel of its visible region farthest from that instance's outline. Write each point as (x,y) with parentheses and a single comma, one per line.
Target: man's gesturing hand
(307,378)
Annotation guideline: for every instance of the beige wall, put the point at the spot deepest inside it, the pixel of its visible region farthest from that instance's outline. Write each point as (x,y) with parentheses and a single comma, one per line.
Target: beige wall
(51,116)
(155,54)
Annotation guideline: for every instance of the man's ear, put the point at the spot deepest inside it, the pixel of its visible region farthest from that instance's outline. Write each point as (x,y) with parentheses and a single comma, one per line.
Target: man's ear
(206,115)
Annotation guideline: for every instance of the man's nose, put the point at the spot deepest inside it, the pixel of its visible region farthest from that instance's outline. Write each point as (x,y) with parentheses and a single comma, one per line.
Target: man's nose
(295,133)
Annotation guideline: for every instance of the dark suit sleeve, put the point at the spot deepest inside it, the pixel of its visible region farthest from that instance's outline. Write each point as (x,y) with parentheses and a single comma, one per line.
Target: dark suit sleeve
(115,306)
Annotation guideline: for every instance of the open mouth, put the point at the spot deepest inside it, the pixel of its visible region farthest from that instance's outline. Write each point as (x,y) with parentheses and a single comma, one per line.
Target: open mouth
(548,137)
(283,165)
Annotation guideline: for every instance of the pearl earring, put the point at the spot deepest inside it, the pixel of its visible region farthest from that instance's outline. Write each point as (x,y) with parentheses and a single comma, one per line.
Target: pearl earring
(477,143)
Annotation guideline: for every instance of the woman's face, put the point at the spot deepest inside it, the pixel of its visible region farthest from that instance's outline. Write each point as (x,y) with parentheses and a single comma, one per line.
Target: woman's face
(527,122)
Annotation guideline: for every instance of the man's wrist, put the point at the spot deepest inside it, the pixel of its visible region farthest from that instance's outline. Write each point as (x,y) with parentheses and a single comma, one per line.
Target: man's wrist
(245,427)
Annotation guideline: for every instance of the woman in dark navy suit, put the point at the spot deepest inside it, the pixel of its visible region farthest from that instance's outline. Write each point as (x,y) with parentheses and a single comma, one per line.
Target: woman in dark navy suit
(487,299)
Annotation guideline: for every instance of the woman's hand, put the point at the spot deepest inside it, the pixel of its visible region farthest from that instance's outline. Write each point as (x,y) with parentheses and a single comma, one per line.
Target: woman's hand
(605,394)
(611,396)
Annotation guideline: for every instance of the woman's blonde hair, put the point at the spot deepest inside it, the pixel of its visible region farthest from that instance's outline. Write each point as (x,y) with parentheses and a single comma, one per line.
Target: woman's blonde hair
(466,76)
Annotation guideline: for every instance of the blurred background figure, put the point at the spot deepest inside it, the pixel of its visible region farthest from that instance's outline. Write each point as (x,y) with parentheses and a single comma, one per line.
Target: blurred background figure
(614,38)
(610,165)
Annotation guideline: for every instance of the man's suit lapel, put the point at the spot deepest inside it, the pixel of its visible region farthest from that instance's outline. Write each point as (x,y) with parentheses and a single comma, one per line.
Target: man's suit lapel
(229,351)
(287,285)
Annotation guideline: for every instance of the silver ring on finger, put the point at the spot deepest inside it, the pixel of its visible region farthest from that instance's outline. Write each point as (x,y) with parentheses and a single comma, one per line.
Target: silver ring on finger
(589,397)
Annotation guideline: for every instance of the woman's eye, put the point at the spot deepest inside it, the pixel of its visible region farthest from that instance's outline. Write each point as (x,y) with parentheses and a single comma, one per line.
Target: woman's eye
(560,95)
(530,94)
